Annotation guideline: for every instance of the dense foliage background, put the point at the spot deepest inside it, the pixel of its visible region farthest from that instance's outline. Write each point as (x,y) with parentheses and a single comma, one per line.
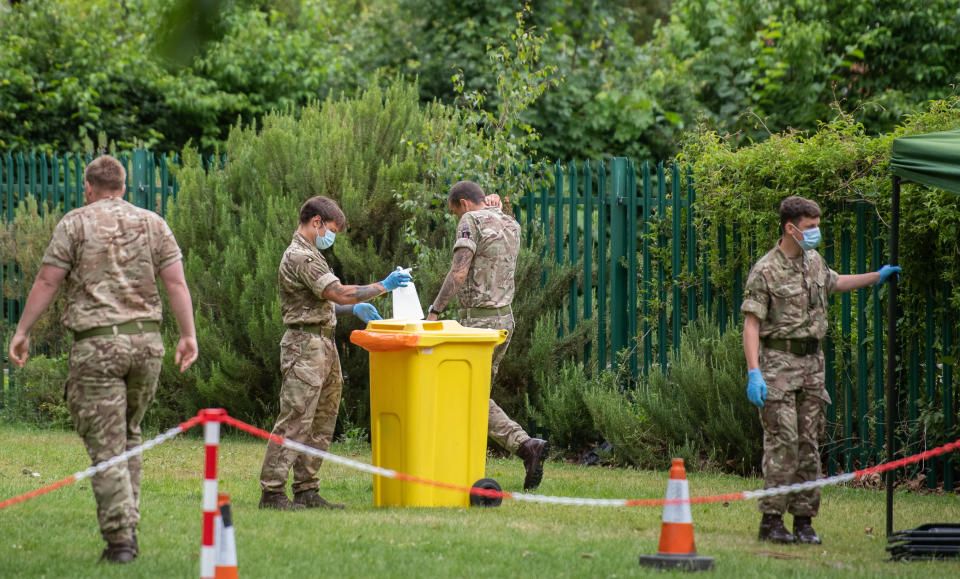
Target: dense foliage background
(382,104)
(635,74)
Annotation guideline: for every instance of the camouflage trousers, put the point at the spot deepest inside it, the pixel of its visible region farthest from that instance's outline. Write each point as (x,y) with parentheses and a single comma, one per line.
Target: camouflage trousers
(500,427)
(793,418)
(309,402)
(111,381)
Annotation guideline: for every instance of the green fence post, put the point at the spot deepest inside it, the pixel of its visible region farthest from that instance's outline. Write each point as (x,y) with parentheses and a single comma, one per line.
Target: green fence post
(721,299)
(947,393)
(676,306)
(572,244)
(830,375)
(930,382)
(631,232)
(587,253)
(661,273)
(647,273)
(862,392)
(618,255)
(138,178)
(737,296)
(603,199)
(879,385)
(691,249)
(845,325)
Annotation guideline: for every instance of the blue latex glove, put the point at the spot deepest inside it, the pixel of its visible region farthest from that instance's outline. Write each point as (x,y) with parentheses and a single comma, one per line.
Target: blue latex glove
(888,270)
(395,279)
(366,312)
(756,387)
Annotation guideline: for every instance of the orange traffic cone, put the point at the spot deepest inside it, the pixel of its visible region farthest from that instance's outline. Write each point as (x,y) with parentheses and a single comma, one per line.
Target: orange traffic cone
(676,549)
(225,544)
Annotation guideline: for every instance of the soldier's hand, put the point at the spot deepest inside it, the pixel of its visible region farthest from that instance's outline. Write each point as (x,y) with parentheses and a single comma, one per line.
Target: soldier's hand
(186,353)
(888,270)
(756,387)
(395,279)
(366,312)
(492,200)
(19,348)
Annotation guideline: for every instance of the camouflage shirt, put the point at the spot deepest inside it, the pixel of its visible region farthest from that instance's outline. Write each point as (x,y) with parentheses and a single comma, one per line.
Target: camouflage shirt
(304,274)
(494,238)
(789,295)
(113,252)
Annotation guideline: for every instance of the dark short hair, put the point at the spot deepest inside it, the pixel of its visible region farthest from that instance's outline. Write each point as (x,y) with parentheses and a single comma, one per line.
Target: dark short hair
(326,208)
(465,190)
(105,173)
(795,208)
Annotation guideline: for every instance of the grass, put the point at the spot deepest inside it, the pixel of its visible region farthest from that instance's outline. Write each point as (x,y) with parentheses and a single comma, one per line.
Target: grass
(56,535)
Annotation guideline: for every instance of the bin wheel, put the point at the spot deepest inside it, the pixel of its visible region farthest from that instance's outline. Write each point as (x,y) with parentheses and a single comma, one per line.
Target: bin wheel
(482,501)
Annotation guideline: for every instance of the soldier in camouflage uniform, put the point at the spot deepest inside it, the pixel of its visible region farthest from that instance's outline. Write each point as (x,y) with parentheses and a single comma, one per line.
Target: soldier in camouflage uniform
(311,297)
(484,260)
(785,307)
(110,253)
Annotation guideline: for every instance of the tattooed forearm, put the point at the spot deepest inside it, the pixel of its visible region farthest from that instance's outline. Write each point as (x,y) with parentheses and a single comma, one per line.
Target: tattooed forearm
(462,258)
(352,294)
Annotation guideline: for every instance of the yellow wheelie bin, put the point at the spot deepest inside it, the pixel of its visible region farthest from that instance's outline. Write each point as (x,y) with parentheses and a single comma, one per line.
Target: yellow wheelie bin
(429,392)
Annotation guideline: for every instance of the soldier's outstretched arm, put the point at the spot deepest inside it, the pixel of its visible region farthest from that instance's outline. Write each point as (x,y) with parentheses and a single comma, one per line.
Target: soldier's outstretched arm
(345,295)
(41,294)
(462,258)
(182,304)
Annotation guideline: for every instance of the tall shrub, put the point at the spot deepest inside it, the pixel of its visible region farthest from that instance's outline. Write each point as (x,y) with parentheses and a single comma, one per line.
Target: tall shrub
(235,219)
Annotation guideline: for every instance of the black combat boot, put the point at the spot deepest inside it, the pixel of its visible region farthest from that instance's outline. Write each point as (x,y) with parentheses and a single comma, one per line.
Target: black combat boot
(311,499)
(120,552)
(772,529)
(803,529)
(278,501)
(533,452)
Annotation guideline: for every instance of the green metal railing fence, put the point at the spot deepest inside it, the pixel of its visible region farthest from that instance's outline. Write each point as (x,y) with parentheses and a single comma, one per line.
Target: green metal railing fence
(56,182)
(646,272)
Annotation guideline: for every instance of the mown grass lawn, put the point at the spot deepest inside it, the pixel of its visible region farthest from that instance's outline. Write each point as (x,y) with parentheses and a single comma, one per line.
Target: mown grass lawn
(56,535)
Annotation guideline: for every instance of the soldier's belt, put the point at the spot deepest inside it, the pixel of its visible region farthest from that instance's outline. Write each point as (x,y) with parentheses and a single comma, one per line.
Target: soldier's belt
(134,327)
(795,347)
(317,329)
(485,312)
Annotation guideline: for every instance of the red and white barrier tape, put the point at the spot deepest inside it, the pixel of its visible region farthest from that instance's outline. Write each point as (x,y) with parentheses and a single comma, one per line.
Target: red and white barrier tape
(222,417)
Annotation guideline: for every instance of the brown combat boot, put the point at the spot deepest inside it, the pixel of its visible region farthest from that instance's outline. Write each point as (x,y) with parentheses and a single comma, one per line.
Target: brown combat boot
(803,529)
(772,529)
(277,501)
(311,499)
(533,452)
(121,552)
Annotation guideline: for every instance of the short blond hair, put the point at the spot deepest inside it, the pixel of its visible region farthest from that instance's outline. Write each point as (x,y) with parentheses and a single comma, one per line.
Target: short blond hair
(105,173)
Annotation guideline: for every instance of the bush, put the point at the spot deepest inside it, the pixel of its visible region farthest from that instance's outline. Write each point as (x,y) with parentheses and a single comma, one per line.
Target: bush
(700,403)
(39,395)
(696,410)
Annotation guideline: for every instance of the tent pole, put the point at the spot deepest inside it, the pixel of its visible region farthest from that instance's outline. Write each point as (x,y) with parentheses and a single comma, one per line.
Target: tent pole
(891,402)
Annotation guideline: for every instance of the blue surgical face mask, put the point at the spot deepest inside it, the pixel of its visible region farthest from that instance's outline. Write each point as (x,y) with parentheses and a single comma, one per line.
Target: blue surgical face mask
(811,238)
(326,241)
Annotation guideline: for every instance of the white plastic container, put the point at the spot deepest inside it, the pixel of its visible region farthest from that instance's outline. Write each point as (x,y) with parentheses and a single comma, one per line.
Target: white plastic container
(406,303)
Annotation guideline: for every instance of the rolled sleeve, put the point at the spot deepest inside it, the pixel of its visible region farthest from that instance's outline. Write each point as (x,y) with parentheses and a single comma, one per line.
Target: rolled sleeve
(756,298)
(316,275)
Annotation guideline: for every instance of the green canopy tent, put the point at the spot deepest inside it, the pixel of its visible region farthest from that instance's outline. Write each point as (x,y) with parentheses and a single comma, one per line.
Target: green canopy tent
(933,160)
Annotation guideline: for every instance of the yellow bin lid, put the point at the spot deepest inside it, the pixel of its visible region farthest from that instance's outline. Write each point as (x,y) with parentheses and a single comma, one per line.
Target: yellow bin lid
(400,334)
